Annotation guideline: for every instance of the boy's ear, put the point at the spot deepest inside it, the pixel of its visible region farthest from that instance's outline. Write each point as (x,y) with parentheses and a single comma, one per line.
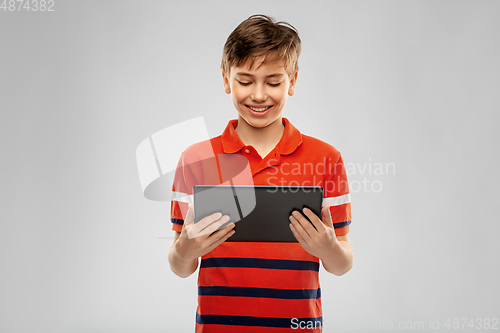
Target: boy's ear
(293,82)
(225,80)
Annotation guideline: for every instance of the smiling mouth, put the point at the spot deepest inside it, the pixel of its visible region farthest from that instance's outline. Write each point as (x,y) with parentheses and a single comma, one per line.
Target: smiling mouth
(258,109)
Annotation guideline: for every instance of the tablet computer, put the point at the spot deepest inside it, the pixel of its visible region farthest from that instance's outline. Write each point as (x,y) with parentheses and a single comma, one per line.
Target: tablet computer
(260,213)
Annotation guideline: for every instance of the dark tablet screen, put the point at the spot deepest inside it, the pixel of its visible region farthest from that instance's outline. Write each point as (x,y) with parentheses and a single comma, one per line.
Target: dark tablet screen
(260,213)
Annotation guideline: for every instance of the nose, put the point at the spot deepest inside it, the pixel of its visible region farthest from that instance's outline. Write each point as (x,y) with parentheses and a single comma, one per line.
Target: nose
(259,93)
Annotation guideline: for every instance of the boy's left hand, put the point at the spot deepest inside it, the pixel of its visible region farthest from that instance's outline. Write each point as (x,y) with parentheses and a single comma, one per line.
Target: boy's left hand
(320,242)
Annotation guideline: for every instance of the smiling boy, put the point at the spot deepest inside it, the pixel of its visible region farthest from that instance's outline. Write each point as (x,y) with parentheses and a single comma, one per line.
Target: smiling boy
(263,286)
(259,95)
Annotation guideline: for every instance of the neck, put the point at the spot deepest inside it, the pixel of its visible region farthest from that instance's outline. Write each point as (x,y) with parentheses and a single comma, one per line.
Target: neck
(265,138)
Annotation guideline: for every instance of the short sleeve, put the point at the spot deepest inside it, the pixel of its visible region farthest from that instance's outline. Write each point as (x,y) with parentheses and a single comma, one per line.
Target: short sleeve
(336,194)
(182,195)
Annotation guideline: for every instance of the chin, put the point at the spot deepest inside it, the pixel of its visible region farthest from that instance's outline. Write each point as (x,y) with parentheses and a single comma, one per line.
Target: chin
(259,123)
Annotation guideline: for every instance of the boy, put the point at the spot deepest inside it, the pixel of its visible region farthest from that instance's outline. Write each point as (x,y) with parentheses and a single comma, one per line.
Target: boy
(254,286)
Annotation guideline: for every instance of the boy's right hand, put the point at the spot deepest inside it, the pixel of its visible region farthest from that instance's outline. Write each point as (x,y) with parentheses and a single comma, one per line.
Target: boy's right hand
(196,239)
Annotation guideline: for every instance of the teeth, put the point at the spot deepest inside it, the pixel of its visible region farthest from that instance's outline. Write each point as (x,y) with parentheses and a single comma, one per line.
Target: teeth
(259,109)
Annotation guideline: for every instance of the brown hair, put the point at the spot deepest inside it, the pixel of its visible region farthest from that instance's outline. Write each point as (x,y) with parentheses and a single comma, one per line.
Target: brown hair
(261,35)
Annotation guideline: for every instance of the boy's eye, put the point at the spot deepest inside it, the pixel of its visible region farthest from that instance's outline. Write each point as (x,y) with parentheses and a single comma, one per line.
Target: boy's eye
(248,83)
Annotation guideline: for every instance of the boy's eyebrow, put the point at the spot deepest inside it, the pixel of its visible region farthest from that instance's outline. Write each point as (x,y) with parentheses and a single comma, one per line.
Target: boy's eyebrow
(248,74)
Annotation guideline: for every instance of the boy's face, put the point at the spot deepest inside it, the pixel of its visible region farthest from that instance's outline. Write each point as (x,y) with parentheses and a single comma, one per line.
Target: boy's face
(259,95)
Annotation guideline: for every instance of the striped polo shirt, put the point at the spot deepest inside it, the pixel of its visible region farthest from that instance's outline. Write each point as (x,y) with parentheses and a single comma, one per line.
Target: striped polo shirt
(262,286)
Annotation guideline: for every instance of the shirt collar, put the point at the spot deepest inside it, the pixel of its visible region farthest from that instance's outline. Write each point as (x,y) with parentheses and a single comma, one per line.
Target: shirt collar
(290,140)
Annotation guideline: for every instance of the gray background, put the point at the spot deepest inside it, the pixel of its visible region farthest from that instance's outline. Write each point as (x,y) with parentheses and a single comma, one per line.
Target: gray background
(413,83)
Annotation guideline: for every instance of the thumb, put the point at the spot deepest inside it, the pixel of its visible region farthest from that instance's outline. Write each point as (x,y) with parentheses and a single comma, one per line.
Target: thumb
(327,216)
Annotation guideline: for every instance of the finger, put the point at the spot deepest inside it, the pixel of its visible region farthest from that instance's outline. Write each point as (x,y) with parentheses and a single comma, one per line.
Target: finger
(299,238)
(327,216)
(306,225)
(206,221)
(216,225)
(299,229)
(315,220)
(198,229)
(223,238)
(220,233)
